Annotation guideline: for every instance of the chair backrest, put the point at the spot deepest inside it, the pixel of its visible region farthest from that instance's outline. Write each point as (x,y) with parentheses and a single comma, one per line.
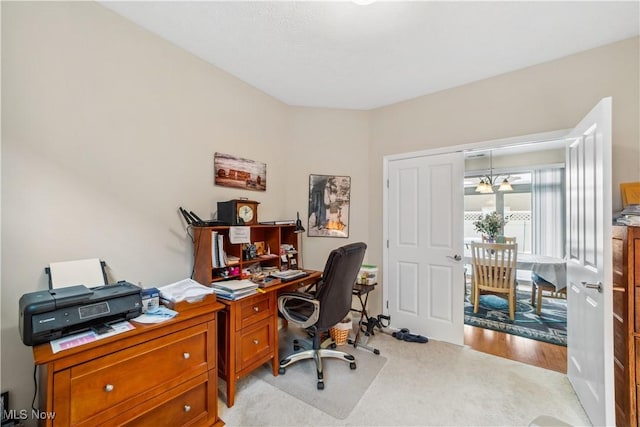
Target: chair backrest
(507,240)
(336,290)
(494,265)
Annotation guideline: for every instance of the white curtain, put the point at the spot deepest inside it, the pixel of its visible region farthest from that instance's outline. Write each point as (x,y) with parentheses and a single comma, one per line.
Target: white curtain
(547,192)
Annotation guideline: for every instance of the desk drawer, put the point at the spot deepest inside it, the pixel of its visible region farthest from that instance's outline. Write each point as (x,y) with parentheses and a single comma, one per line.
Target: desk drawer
(254,309)
(120,377)
(254,344)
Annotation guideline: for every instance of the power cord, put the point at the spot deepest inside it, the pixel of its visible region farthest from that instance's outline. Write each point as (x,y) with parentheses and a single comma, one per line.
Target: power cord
(35,386)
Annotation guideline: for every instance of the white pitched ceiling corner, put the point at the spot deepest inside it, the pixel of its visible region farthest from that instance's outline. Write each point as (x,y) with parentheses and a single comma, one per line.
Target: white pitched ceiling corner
(338,54)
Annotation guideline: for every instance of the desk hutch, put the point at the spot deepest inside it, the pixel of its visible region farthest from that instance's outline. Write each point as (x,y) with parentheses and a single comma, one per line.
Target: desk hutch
(248,327)
(626,322)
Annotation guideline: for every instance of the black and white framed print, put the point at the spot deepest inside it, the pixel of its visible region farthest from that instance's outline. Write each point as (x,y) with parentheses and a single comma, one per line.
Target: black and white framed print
(329,197)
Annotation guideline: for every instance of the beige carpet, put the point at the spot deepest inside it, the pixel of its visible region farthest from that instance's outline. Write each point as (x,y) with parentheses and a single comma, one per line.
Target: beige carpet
(433,384)
(343,386)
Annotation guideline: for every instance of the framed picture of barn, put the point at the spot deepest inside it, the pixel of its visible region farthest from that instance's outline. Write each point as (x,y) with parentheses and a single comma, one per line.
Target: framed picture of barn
(232,171)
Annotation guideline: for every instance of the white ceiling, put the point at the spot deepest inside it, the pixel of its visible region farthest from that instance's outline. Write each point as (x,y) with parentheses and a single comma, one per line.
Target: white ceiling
(342,55)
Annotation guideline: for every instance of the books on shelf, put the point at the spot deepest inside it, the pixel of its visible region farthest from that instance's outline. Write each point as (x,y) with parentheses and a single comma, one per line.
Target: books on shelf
(218,255)
(233,260)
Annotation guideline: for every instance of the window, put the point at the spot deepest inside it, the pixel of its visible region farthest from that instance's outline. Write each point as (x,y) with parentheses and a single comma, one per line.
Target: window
(515,206)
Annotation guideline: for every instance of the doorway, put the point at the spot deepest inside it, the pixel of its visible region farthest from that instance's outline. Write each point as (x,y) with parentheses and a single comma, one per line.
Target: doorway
(588,266)
(527,190)
(407,251)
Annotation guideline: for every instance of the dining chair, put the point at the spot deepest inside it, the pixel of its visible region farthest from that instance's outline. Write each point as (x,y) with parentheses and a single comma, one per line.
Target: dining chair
(494,272)
(542,288)
(507,240)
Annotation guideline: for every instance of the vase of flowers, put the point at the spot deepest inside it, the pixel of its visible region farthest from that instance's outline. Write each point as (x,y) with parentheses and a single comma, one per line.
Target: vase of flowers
(490,225)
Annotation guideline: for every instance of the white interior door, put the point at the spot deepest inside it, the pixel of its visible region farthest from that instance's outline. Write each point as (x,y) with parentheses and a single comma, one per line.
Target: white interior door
(425,224)
(589,296)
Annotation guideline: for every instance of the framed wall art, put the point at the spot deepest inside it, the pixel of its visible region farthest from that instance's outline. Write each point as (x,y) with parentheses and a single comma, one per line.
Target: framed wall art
(231,171)
(329,197)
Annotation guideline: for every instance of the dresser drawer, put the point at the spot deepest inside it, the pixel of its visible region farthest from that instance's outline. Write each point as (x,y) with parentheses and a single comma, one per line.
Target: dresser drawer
(253,309)
(254,344)
(123,376)
(182,409)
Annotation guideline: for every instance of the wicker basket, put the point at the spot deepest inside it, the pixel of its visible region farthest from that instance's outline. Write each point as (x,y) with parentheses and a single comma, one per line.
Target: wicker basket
(340,332)
(339,336)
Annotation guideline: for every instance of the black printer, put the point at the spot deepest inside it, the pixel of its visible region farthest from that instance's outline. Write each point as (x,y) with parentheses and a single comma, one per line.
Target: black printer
(55,313)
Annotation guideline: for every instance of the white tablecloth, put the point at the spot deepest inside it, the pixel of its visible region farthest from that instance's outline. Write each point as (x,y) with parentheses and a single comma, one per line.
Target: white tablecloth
(551,269)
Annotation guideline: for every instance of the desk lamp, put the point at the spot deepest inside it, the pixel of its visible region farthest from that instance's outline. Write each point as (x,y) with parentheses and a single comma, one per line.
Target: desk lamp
(299,230)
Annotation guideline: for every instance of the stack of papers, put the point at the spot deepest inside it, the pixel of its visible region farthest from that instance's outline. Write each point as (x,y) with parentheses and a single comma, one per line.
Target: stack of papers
(630,215)
(185,290)
(287,275)
(235,289)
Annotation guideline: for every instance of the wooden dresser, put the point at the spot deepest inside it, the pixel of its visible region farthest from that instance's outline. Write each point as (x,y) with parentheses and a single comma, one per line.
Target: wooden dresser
(626,322)
(162,374)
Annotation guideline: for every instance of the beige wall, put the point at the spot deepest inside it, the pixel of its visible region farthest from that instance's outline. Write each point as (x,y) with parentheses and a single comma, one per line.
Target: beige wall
(545,97)
(329,142)
(107,129)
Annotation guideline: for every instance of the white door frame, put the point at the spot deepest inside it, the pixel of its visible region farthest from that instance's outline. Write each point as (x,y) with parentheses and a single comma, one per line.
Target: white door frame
(496,143)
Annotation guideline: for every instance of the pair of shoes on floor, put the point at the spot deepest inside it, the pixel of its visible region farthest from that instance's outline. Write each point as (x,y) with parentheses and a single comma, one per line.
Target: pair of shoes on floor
(404,335)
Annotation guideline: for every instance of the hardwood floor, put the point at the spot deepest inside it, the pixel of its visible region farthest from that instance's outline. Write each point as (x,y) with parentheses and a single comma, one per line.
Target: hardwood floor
(531,352)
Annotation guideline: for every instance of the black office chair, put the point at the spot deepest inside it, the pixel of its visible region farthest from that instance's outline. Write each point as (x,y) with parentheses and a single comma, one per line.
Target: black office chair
(320,311)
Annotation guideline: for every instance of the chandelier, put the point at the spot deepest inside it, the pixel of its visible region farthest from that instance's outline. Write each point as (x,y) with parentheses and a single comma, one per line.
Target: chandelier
(487,182)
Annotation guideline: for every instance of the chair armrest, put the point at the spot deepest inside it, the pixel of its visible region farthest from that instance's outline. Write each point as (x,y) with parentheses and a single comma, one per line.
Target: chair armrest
(304,298)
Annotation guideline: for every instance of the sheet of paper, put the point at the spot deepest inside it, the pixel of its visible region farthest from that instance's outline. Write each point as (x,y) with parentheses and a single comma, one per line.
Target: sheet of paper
(240,235)
(89,336)
(86,272)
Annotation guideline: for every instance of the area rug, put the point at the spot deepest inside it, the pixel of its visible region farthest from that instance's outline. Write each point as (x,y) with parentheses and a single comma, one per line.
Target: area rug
(493,313)
(343,387)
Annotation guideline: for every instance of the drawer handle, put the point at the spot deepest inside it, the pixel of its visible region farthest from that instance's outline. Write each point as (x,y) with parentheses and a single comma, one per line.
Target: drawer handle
(256,309)
(109,388)
(187,408)
(186,355)
(256,342)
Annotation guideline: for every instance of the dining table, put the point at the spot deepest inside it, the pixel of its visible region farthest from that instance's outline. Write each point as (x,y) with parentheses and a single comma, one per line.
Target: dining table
(551,269)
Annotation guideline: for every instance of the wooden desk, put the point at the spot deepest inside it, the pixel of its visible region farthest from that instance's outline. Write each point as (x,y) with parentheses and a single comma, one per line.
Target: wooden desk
(158,374)
(248,333)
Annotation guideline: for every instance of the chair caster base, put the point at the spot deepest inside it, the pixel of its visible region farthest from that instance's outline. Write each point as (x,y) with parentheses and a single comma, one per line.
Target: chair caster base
(352,365)
(320,385)
(281,371)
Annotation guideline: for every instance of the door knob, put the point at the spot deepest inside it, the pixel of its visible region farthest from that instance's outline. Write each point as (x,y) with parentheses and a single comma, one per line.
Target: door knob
(456,257)
(597,286)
